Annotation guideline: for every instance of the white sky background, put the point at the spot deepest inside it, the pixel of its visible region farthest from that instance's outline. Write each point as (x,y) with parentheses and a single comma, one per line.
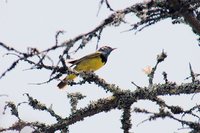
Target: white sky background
(33,23)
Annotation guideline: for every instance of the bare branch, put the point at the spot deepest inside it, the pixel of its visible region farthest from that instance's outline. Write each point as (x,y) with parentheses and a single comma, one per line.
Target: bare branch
(101,105)
(150,73)
(57,35)
(126,119)
(74,97)
(10,68)
(165,77)
(14,110)
(37,105)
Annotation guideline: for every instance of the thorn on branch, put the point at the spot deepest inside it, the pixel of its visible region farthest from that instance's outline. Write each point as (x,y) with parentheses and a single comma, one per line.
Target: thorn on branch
(136,85)
(192,73)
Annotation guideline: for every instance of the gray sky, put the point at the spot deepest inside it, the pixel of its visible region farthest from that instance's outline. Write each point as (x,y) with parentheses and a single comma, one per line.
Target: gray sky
(33,23)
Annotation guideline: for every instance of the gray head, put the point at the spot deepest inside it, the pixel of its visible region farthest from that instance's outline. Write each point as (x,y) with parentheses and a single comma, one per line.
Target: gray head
(106,50)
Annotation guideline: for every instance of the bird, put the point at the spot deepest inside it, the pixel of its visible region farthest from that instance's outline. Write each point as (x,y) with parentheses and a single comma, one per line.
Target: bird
(91,62)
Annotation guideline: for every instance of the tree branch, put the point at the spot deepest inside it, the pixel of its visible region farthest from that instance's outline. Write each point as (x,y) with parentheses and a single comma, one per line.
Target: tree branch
(126,98)
(183,8)
(126,119)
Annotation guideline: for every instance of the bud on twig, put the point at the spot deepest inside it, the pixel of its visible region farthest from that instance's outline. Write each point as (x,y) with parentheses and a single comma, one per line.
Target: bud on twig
(161,57)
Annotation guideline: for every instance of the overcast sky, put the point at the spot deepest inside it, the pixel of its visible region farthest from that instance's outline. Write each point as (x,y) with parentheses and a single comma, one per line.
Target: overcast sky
(34,23)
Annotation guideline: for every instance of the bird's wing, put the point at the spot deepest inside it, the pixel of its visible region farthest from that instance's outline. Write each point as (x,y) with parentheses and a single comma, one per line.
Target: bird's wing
(93,55)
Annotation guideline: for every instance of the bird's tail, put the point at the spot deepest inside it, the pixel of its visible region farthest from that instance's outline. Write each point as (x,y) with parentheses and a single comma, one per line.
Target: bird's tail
(63,83)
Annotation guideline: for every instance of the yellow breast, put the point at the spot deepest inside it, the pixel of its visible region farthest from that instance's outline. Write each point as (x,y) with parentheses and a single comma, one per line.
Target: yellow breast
(91,64)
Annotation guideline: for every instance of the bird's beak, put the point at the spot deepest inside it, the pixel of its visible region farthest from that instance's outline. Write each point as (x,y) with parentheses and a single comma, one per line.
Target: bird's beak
(113,49)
